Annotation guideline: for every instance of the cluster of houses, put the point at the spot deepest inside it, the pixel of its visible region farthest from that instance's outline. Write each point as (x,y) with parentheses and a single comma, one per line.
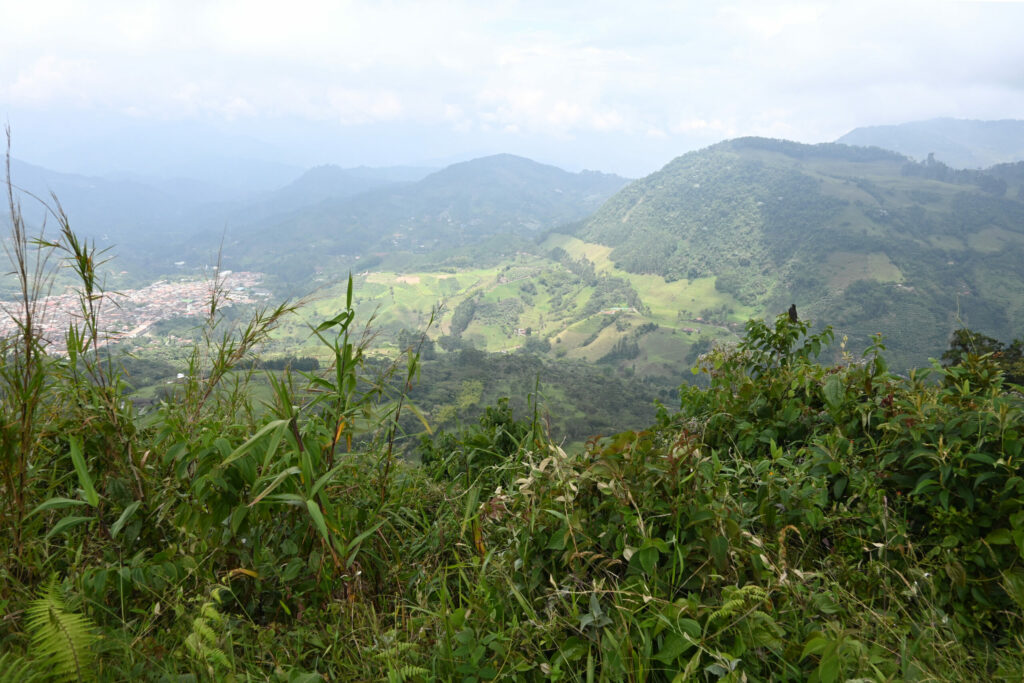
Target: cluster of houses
(128,314)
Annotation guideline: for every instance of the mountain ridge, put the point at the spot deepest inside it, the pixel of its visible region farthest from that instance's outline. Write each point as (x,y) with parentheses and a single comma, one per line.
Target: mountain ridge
(458,205)
(961,143)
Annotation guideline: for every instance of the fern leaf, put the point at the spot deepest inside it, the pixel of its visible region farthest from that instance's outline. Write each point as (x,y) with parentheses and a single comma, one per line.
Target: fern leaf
(405,673)
(60,638)
(217,656)
(205,634)
(209,612)
(15,669)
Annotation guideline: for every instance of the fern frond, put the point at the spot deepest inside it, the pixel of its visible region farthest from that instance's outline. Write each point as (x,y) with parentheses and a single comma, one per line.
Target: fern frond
(217,656)
(60,638)
(406,672)
(729,609)
(209,612)
(394,650)
(15,669)
(202,643)
(203,631)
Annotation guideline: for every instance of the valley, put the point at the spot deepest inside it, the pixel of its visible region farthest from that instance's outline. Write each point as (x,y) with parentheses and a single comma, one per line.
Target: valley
(638,279)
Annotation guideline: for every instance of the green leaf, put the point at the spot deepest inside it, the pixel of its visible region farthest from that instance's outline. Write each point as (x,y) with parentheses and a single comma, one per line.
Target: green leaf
(244,448)
(289,498)
(237,517)
(983,458)
(275,439)
(999,537)
(56,504)
(66,523)
(828,670)
(690,627)
(924,485)
(84,479)
(324,478)
(647,557)
(835,391)
(815,646)
(318,519)
(674,646)
(274,484)
(115,529)
(352,549)
(323,384)
(342,320)
(839,487)
(720,552)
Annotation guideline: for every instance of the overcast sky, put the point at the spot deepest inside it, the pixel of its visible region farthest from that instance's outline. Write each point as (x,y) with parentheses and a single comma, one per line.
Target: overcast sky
(616,86)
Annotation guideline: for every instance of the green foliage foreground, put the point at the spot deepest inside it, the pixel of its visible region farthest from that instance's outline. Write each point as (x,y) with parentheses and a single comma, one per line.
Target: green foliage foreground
(792,521)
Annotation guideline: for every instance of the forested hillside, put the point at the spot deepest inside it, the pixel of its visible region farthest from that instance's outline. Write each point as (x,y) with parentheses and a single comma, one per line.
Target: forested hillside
(861,237)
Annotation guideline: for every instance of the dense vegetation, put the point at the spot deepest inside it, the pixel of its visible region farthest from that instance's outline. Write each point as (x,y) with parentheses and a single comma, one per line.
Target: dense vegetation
(861,237)
(790,521)
(575,399)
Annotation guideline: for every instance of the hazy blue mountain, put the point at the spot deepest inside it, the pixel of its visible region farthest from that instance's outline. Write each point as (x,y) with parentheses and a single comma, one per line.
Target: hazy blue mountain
(154,222)
(860,238)
(393,174)
(329,182)
(461,204)
(109,210)
(120,147)
(190,191)
(313,187)
(959,143)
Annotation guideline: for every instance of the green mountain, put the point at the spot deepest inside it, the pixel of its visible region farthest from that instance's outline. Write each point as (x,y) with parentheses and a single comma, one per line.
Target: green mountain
(860,238)
(957,142)
(458,205)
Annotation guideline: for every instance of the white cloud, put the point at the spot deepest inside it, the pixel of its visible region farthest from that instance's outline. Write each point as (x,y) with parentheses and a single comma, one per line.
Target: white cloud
(690,70)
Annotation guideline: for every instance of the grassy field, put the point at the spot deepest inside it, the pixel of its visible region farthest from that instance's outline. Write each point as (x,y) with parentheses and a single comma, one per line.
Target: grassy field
(538,293)
(848,267)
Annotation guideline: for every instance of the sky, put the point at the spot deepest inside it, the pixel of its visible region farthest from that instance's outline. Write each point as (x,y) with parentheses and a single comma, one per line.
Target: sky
(182,86)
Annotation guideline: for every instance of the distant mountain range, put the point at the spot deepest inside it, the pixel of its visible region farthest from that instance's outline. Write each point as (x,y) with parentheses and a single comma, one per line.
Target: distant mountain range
(462,204)
(325,214)
(957,142)
(860,238)
(149,220)
(110,211)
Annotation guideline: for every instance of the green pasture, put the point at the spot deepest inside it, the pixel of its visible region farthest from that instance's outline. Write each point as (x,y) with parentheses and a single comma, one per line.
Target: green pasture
(846,267)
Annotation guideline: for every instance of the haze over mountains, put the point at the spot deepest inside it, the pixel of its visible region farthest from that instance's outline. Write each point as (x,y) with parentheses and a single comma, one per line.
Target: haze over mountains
(458,205)
(956,142)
